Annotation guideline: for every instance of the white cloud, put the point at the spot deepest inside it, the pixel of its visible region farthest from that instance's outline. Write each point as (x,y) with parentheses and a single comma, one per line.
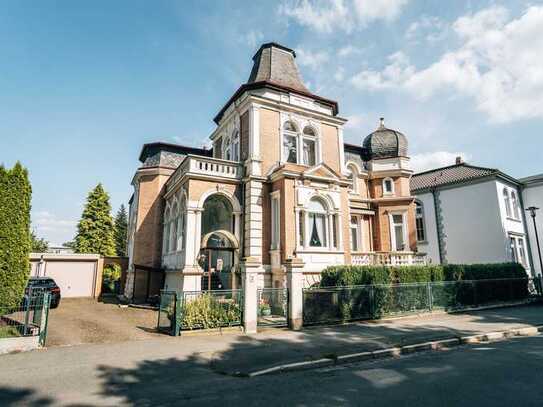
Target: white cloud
(252,38)
(436,159)
(52,227)
(327,16)
(348,50)
(313,60)
(431,28)
(498,65)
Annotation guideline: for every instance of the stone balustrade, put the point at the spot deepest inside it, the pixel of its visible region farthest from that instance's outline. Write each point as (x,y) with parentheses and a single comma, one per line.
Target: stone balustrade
(388,259)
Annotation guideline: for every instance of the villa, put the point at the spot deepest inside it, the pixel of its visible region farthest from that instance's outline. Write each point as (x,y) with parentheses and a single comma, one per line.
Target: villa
(278,185)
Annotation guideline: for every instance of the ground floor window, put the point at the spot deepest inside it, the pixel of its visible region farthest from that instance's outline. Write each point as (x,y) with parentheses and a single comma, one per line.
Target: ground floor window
(317,226)
(518,250)
(398,232)
(355,233)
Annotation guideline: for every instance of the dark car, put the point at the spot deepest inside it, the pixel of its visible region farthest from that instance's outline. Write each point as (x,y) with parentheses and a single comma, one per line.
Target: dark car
(36,285)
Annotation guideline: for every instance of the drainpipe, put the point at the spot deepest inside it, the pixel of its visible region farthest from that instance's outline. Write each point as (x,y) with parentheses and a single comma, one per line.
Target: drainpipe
(438,228)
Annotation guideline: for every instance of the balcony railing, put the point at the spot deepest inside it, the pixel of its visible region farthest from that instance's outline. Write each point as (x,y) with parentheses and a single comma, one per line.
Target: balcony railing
(207,166)
(388,259)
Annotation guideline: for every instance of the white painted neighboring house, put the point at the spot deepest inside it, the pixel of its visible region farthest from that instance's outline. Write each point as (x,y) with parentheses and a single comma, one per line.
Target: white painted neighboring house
(467,214)
(532,194)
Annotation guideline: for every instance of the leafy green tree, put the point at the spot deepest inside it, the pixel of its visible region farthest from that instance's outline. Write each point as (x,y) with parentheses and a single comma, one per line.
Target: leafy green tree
(121,228)
(15,195)
(38,245)
(95,230)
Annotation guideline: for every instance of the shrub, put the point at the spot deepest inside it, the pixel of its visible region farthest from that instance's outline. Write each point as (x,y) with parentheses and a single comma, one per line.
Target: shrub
(111,277)
(206,311)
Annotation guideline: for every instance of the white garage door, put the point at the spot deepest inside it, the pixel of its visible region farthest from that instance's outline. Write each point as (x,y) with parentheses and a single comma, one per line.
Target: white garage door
(75,278)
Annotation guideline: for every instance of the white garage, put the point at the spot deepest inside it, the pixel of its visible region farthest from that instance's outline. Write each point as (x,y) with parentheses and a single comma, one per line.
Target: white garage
(77,275)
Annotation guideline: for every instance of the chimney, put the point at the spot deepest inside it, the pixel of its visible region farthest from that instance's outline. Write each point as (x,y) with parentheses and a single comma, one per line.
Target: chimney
(382,122)
(459,160)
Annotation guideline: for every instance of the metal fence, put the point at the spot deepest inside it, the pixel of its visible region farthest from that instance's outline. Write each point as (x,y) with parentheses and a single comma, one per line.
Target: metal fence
(27,319)
(199,310)
(272,306)
(348,303)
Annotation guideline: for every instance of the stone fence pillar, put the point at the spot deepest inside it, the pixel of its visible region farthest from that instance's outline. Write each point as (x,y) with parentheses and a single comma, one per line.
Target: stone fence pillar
(295,283)
(249,273)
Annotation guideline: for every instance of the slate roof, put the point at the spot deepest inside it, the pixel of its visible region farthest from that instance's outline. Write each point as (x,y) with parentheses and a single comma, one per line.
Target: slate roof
(385,143)
(274,67)
(275,63)
(454,174)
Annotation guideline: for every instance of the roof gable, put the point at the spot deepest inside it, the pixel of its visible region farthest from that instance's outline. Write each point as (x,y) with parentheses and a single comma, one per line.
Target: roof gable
(454,174)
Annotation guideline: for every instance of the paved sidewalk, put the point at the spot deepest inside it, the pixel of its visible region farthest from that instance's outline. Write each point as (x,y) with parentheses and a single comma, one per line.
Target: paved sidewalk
(101,373)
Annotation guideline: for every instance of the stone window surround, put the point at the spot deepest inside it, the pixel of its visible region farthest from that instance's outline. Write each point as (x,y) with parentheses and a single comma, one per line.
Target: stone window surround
(300,123)
(392,231)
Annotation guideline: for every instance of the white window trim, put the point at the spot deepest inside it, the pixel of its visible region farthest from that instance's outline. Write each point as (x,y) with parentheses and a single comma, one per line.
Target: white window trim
(515,251)
(385,192)
(289,133)
(275,238)
(300,124)
(328,222)
(393,235)
(357,225)
(354,173)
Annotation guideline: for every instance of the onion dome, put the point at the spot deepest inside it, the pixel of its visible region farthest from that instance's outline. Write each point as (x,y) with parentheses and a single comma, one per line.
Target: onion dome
(385,143)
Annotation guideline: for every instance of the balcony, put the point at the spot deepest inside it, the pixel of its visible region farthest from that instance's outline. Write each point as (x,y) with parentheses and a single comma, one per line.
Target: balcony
(388,259)
(207,167)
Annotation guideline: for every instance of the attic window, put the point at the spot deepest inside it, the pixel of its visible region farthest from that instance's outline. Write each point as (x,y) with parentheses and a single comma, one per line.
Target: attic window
(388,186)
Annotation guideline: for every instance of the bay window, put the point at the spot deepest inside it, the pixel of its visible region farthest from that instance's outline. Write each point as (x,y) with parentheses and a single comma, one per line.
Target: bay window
(398,232)
(318,226)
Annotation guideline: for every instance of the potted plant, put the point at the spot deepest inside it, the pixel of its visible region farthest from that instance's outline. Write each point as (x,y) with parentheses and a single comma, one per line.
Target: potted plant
(264,308)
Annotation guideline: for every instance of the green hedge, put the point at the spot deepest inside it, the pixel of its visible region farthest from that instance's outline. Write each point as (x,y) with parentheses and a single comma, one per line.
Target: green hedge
(387,297)
(15,192)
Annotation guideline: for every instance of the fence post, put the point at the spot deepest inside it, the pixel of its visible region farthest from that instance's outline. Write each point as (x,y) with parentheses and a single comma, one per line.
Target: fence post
(249,272)
(295,284)
(429,294)
(44,317)
(178,312)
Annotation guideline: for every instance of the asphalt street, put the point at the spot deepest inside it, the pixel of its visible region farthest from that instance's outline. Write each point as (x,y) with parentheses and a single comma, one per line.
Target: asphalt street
(494,374)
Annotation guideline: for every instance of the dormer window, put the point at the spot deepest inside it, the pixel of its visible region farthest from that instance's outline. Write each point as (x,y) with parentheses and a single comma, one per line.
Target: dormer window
(290,143)
(388,186)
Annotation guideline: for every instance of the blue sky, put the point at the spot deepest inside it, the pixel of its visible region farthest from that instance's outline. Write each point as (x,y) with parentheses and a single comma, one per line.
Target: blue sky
(85,84)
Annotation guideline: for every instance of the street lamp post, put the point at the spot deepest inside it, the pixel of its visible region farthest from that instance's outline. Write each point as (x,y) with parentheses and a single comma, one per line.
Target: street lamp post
(533,210)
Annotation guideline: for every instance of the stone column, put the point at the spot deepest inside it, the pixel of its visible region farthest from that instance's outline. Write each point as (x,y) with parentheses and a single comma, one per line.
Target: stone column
(249,273)
(295,282)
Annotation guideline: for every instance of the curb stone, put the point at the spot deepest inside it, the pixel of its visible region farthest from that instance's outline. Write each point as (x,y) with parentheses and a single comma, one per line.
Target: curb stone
(394,352)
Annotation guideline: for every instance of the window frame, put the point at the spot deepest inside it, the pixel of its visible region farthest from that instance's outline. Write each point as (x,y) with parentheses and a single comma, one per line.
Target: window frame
(420,218)
(519,253)
(312,138)
(507,202)
(392,187)
(356,226)
(405,234)
(289,133)
(353,176)
(331,223)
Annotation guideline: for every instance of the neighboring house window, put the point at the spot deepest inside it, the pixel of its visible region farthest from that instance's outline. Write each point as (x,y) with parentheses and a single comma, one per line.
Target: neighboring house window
(398,235)
(275,222)
(518,250)
(388,186)
(507,201)
(309,143)
(516,206)
(419,220)
(290,143)
(355,233)
(353,178)
(317,226)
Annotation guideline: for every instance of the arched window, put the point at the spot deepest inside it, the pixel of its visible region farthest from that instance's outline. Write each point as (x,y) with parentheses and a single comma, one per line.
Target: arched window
(290,143)
(310,146)
(173,228)
(166,231)
(227,149)
(353,178)
(388,186)
(180,237)
(235,146)
(217,215)
(507,201)
(419,220)
(516,206)
(318,222)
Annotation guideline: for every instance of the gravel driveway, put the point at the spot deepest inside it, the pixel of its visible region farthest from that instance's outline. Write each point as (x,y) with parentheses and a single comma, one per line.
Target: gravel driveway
(85,320)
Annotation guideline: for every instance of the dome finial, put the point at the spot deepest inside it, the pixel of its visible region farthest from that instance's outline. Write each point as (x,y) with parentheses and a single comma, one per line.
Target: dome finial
(381,122)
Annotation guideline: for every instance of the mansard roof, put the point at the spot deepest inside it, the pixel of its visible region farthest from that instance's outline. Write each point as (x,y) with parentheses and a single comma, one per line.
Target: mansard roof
(454,174)
(274,67)
(275,63)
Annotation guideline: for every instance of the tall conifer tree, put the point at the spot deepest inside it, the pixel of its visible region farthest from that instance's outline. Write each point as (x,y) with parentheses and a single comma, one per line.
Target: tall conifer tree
(95,230)
(15,194)
(121,228)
